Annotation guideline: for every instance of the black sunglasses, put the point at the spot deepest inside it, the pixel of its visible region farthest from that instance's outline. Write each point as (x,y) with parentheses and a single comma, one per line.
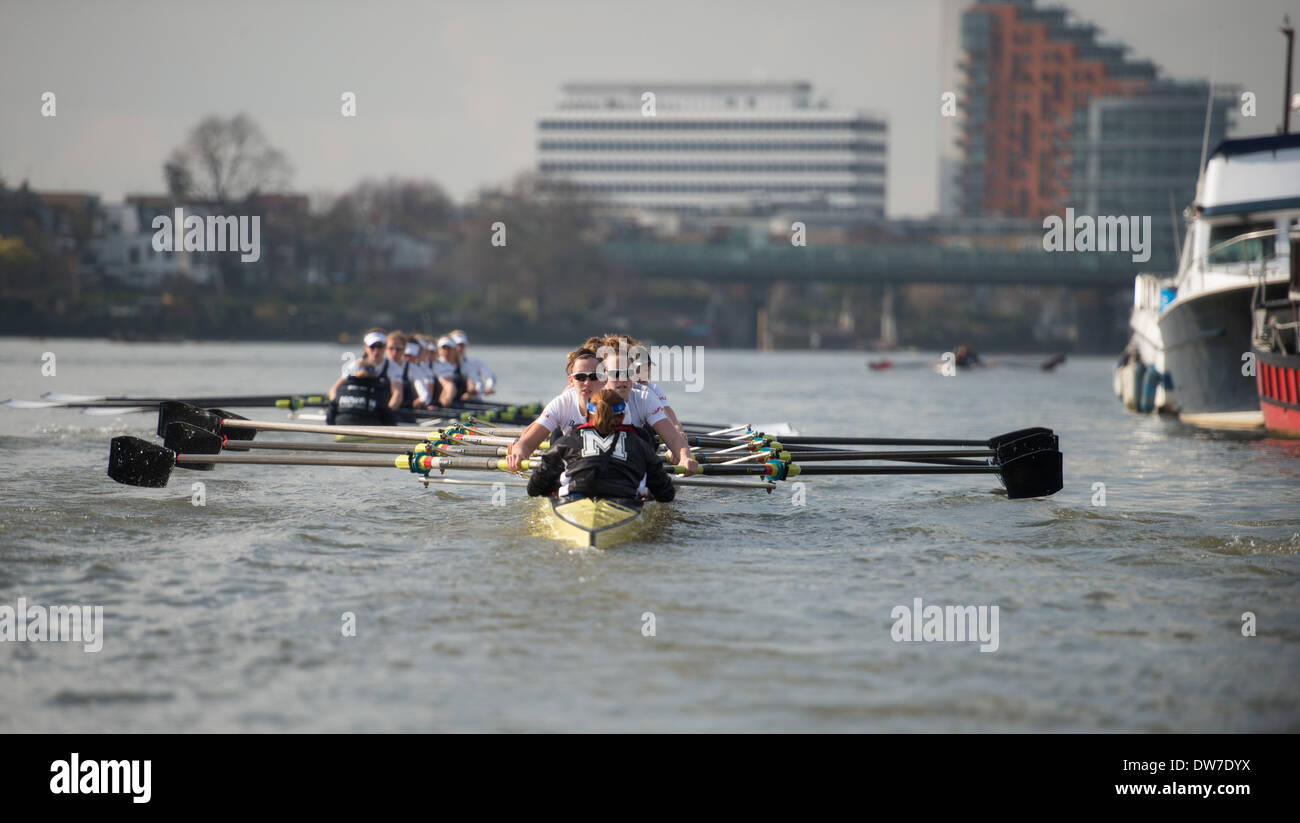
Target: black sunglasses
(619,374)
(583,377)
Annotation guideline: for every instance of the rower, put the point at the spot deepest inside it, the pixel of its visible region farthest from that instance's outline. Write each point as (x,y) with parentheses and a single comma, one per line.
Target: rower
(640,355)
(585,373)
(414,375)
(398,371)
(964,357)
(602,458)
(361,399)
(375,341)
(453,385)
(476,370)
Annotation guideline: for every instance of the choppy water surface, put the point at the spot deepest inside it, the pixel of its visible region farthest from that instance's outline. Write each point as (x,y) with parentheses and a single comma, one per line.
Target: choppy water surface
(768,615)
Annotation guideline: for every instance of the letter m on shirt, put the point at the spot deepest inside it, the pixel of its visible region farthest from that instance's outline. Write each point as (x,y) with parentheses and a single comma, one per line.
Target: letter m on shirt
(593,444)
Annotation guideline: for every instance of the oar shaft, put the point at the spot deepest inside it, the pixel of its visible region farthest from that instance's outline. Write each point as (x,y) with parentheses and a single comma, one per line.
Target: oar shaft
(899,470)
(360,448)
(401,461)
(289,460)
(812,456)
(390,432)
(874,441)
(763,469)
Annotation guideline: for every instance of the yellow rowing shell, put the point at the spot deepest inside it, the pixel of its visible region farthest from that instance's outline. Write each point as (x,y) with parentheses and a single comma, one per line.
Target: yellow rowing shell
(594,522)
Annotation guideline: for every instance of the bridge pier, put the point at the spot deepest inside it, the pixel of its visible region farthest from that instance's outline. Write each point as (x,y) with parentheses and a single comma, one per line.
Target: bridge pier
(888,321)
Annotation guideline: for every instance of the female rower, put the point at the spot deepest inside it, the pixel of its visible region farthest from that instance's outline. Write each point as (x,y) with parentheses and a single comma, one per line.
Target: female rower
(639,353)
(602,458)
(401,372)
(568,409)
(476,370)
(373,356)
(361,398)
(453,385)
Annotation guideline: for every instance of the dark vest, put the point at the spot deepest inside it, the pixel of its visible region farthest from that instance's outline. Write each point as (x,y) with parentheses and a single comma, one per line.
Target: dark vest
(362,401)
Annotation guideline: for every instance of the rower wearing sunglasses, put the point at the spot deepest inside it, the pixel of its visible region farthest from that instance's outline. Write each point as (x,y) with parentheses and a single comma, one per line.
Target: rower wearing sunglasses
(639,353)
(602,458)
(360,391)
(587,375)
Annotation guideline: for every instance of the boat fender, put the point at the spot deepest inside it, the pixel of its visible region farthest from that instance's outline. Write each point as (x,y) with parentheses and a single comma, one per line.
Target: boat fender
(1147,398)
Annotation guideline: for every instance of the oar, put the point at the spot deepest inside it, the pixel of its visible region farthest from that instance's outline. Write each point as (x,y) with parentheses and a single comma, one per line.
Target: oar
(678,481)
(188,439)
(235,427)
(286,400)
(1029,467)
(137,462)
(777,442)
(960,457)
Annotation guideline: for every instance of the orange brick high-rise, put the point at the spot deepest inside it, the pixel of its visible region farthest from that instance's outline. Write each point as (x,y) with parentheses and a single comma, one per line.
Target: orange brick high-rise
(1027,73)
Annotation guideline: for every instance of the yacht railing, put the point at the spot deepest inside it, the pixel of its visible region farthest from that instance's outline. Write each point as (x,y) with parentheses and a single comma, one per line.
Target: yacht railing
(1198,263)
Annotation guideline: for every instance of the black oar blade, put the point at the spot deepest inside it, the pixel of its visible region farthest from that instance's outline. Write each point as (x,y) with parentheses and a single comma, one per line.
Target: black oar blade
(183,438)
(137,462)
(1019,434)
(187,439)
(174,411)
(1031,465)
(1035,474)
(232,433)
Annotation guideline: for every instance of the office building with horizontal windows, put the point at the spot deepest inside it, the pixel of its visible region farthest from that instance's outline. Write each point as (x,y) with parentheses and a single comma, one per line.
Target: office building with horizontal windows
(714,149)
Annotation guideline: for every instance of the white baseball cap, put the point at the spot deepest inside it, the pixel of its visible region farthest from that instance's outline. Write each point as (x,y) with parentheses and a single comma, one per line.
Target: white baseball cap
(459,338)
(445,341)
(375,337)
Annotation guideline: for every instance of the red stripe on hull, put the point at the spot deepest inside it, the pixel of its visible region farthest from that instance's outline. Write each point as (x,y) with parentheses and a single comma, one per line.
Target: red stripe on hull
(1278,394)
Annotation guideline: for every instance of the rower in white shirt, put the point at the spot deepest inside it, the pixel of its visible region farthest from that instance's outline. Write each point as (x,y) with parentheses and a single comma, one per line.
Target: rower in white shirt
(587,374)
(474,369)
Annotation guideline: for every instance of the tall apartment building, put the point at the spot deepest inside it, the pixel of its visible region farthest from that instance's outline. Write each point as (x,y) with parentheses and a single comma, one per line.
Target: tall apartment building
(1054,118)
(714,148)
(1142,155)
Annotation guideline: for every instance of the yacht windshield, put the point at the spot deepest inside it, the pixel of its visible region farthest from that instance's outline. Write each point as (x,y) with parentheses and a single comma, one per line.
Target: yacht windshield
(1257,248)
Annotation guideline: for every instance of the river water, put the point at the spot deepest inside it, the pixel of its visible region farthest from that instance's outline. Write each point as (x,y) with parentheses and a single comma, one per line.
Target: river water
(767,615)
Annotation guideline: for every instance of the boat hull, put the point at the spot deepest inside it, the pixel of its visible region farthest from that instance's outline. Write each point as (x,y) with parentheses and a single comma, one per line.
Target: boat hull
(594,523)
(1207,340)
(1277,378)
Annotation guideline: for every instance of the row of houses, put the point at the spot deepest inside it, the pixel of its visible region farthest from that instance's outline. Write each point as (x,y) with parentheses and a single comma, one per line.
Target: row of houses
(115,242)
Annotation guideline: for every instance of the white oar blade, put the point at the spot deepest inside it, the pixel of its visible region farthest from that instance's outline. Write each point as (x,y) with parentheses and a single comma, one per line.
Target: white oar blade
(56,397)
(111,411)
(30,404)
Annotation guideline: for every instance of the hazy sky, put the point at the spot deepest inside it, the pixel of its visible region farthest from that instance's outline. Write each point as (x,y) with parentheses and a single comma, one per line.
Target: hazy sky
(450,91)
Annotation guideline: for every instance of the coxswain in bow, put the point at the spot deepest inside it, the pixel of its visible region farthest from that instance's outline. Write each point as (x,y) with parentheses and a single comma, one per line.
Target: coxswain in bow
(602,458)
